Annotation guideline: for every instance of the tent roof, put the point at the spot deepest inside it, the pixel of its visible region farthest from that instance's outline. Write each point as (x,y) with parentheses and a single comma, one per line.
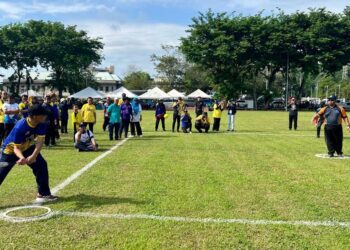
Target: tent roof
(88,92)
(155,93)
(118,93)
(175,94)
(31,93)
(198,93)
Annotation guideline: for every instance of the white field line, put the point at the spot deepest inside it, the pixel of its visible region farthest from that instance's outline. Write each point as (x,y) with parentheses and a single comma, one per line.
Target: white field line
(74,176)
(205,220)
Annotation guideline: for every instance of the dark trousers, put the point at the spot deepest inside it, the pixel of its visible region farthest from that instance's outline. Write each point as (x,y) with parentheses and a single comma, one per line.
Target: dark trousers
(136,125)
(64,126)
(293,119)
(114,128)
(319,126)
(216,124)
(105,123)
(2,132)
(8,128)
(124,127)
(91,126)
(334,138)
(39,169)
(199,126)
(176,121)
(50,136)
(158,119)
(187,128)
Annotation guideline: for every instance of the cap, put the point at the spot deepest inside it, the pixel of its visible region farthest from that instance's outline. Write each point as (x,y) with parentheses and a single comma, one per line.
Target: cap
(36,110)
(332,98)
(82,125)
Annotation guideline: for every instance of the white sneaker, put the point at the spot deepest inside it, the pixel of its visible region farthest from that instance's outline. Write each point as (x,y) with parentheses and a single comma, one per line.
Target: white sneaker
(45,198)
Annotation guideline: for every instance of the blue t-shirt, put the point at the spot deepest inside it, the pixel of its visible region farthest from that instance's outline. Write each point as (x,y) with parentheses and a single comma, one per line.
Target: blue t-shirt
(23,135)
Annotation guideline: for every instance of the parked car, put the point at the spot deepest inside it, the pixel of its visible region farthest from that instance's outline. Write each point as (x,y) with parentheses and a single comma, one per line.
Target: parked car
(241,104)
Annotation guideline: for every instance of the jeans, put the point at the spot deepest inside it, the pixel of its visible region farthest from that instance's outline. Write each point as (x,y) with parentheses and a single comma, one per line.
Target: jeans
(231,122)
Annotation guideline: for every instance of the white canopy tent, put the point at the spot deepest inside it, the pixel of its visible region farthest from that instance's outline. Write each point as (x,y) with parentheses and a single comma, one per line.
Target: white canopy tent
(175,94)
(119,92)
(31,93)
(88,92)
(199,93)
(155,93)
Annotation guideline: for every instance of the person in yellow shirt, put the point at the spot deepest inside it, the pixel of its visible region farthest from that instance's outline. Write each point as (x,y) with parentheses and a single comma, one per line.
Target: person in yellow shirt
(202,122)
(77,119)
(24,106)
(88,112)
(218,108)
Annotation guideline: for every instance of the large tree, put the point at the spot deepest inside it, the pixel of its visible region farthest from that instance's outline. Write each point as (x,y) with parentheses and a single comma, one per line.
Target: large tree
(137,80)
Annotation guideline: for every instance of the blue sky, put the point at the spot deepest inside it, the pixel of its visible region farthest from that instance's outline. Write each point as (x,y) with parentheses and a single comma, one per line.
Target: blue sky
(132,30)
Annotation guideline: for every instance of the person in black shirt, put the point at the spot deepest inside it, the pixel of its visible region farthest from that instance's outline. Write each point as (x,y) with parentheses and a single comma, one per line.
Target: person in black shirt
(50,121)
(293,114)
(231,115)
(176,116)
(64,106)
(199,106)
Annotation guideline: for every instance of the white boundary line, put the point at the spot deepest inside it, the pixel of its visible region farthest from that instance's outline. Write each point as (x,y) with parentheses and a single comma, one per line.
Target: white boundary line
(74,176)
(205,220)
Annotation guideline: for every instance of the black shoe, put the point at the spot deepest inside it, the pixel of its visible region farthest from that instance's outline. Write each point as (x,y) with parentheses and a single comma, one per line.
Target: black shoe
(331,155)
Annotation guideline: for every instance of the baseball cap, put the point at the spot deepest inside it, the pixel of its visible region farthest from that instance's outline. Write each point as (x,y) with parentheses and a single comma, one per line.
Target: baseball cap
(332,98)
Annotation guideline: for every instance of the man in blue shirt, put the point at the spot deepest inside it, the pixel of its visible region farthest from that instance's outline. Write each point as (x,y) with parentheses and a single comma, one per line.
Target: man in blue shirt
(19,148)
(114,119)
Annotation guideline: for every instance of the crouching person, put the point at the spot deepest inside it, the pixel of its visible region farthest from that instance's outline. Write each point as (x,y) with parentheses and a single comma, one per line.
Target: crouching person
(202,122)
(84,140)
(186,122)
(19,148)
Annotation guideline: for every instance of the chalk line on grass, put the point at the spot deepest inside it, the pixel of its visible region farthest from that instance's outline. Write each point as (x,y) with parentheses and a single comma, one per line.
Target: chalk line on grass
(74,176)
(326,156)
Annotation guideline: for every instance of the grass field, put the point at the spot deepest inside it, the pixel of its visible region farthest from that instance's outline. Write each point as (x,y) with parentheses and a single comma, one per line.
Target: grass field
(261,172)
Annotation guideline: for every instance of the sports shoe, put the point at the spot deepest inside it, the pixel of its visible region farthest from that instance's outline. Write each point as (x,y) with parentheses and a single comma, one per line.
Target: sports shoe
(330,155)
(45,198)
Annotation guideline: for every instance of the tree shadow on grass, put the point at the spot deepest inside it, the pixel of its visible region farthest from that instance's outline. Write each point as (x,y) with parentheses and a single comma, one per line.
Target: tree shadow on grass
(82,201)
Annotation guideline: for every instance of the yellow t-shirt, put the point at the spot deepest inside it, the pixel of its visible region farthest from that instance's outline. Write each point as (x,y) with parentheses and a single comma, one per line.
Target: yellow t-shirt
(88,111)
(217,111)
(2,114)
(77,119)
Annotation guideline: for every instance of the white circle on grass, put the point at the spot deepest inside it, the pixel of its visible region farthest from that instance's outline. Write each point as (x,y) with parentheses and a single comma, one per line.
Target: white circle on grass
(5,215)
(326,156)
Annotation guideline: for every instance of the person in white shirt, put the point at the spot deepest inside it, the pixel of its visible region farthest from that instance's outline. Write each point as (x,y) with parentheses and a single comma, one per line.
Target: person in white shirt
(136,118)
(11,111)
(84,140)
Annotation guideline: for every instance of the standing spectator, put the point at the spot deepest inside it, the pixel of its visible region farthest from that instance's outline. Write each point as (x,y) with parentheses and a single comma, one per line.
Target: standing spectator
(121,101)
(50,137)
(114,119)
(231,110)
(218,108)
(160,113)
(293,114)
(202,122)
(56,115)
(126,115)
(178,108)
(3,99)
(199,106)
(333,115)
(24,106)
(11,111)
(85,140)
(105,113)
(77,119)
(186,121)
(64,106)
(136,118)
(89,114)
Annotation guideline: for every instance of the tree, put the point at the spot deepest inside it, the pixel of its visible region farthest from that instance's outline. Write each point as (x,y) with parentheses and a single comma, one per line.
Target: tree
(170,67)
(137,80)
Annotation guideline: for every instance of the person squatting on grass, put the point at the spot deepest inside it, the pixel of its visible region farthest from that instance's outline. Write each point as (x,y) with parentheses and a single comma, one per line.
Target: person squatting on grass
(333,115)
(160,114)
(293,114)
(136,118)
(77,118)
(186,122)
(88,112)
(18,148)
(84,139)
(114,119)
(202,122)
(126,115)
(231,115)
(218,108)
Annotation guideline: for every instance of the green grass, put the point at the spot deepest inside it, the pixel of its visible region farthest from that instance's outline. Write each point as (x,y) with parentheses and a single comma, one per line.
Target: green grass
(263,171)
